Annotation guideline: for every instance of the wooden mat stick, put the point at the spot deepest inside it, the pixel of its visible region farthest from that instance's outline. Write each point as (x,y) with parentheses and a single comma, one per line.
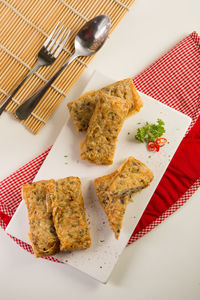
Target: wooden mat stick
(75,11)
(35,35)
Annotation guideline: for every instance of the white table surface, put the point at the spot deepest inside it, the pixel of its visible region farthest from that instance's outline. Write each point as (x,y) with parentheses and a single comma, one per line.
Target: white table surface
(165,263)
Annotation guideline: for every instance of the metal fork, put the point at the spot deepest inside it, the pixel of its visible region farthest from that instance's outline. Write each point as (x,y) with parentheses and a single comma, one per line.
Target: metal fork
(46,56)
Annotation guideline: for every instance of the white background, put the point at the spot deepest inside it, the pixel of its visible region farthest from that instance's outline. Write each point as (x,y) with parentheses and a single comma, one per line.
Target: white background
(164,264)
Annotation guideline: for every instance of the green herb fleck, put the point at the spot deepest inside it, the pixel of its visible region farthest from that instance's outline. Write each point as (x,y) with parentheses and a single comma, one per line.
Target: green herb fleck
(66,163)
(101,241)
(150,131)
(149,156)
(128,133)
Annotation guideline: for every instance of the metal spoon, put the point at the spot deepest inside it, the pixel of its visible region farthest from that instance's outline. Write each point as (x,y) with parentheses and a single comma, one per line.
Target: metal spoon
(88,41)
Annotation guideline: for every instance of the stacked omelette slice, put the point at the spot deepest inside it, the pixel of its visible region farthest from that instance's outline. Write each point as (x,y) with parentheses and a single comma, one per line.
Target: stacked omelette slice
(102,113)
(56,216)
(115,190)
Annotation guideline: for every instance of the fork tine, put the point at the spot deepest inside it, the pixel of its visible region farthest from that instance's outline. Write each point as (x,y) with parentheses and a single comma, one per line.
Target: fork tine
(58,41)
(54,40)
(51,34)
(62,45)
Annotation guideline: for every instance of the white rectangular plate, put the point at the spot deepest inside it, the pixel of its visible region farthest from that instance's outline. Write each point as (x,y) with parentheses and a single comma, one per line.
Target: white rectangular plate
(100,259)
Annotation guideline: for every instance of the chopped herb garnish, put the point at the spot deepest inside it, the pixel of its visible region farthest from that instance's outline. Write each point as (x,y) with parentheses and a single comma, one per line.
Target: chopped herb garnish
(128,133)
(101,241)
(66,163)
(150,131)
(149,156)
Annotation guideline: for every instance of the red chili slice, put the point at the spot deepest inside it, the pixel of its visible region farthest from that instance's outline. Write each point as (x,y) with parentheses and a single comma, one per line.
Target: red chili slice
(157,147)
(161,141)
(151,146)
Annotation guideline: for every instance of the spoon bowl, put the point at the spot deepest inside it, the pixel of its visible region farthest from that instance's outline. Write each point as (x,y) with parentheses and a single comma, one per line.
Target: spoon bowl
(92,35)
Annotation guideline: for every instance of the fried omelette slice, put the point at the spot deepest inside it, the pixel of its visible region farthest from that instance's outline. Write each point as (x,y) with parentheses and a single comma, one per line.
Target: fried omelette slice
(133,176)
(81,109)
(125,89)
(106,122)
(69,214)
(42,234)
(114,191)
(114,207)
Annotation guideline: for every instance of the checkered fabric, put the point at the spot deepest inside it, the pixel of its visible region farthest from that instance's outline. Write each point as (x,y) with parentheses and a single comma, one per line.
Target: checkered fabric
(174,79)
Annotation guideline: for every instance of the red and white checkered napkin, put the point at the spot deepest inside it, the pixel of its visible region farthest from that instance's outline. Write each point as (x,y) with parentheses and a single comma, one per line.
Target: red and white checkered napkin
(174,79)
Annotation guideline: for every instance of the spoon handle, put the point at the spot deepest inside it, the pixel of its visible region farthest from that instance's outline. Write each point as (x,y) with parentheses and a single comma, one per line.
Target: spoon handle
(26,108)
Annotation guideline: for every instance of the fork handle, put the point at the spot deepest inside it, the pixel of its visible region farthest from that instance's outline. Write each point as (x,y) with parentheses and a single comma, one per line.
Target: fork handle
(8,100)
(26,108)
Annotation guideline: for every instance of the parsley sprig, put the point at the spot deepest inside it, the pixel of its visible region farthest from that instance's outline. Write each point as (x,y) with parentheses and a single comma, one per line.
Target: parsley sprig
(150,132)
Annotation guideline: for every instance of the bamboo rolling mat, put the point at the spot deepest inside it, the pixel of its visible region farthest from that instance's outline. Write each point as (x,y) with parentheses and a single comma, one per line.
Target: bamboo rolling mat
(24,26)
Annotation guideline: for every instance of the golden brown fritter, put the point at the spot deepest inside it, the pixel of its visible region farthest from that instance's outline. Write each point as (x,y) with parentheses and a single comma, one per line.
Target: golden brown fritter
(42,234)
(69,214)
(106,122)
